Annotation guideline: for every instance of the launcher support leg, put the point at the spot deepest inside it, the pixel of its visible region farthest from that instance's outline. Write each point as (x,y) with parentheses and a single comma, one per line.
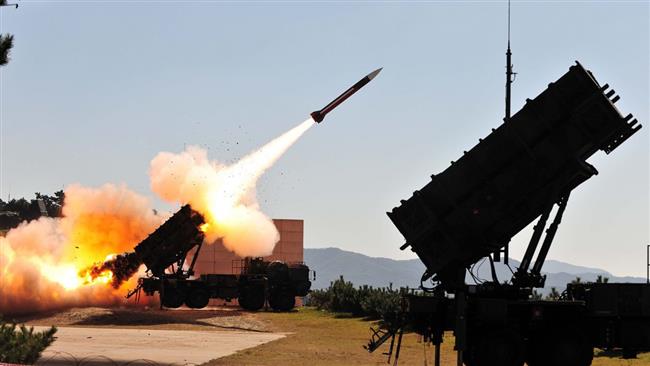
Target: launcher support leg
(460,330)
(538,230)
(550,234)
(161,294)
(399,346)
(390,349)
(436,357)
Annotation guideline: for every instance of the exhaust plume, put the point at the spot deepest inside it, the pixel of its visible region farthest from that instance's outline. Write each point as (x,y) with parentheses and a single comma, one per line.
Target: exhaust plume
(40,260)
(224,194)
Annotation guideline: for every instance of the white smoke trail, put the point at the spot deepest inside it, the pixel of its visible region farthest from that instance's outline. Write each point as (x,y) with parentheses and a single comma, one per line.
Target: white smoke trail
(225,195)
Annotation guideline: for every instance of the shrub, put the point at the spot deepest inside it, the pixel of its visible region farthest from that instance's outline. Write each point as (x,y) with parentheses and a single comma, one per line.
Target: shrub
(374,303)
(382,303)
(554,295)
(318,299)
(22,344)
(343,297)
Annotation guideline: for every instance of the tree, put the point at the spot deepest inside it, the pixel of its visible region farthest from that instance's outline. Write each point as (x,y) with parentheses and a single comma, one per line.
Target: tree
(6,42)
(24,208)
(577,281)
(601,279)
(22,344)
(53,204)
(553,295)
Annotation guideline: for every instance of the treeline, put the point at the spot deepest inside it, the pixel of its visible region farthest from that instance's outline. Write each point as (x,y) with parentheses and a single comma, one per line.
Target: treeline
(6,41)
(555,295)
(15,211)
(363,301)
(384,302)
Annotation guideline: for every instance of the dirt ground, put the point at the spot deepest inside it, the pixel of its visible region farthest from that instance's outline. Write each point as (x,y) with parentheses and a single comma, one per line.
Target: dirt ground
(229,336)
(121,336)
(97,347)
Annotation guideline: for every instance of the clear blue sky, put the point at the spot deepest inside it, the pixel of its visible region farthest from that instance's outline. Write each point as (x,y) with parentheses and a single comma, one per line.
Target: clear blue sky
(95,89)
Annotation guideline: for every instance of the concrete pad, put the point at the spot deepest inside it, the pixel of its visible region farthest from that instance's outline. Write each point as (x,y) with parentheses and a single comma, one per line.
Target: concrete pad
(111,346)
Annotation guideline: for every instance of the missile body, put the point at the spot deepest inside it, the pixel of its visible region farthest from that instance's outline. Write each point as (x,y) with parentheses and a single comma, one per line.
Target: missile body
(319,115)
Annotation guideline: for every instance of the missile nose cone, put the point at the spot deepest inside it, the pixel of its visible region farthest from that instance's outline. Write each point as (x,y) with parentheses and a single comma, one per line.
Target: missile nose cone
(374,73)
(319,115)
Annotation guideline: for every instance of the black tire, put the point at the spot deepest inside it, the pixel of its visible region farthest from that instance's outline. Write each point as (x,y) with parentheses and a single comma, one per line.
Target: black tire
(252,298)
(197,299)
(502,347)
(566,346)
(282,301)
(172,298)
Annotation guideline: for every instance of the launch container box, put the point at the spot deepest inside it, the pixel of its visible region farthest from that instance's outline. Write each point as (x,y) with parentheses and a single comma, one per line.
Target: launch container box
(509,178)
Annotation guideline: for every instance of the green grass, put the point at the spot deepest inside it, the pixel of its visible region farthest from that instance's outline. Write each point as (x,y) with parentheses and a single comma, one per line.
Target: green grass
(319,338)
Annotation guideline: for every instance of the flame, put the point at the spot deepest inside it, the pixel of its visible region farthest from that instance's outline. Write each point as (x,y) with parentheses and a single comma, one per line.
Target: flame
(65,275)
(104,277)
(69,276)
(205,227)
(41,262)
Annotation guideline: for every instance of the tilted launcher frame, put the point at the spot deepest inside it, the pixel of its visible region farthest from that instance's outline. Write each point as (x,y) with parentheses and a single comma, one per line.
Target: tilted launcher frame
(514,175)
(472,209)
(170,243)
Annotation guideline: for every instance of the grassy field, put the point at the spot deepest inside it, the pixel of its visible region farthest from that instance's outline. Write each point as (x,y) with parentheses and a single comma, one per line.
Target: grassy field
(643,359)
(318,338)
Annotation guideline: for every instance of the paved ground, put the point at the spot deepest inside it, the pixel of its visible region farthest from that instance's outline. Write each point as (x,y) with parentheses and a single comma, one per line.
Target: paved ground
(117,346)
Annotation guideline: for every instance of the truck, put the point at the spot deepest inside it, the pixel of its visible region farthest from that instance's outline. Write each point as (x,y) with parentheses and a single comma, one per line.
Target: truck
(524,170)
(171,251)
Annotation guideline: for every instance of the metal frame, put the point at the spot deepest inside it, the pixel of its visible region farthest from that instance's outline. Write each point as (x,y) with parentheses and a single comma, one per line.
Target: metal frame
(528,279)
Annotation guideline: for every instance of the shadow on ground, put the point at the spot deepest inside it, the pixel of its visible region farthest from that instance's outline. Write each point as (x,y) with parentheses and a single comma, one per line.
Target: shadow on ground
(122,317)
(61,359)
(179,319)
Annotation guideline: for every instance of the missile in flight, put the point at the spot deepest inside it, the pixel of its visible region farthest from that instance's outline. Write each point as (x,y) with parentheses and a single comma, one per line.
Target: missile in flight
(318,116)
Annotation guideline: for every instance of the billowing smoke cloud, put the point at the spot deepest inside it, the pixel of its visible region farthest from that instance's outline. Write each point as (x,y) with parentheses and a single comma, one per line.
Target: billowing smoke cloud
(224,194)
(44,264)
(40,260)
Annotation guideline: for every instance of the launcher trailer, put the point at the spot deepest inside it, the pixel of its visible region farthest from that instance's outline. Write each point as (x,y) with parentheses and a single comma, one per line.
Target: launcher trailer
(165,253)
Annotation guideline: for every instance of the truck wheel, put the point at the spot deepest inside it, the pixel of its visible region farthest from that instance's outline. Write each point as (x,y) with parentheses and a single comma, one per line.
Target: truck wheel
(282,301)
(198,299)
(251,299)
(172,298)
(504,348)
(566,346)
